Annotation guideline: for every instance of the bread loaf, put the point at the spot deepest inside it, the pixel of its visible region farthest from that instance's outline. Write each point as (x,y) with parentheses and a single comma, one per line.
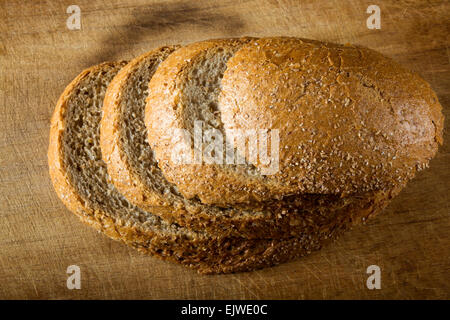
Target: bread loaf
(350,127)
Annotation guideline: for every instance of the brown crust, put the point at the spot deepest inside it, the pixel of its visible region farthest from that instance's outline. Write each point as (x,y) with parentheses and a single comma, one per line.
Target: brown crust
(405,120)
(373,121)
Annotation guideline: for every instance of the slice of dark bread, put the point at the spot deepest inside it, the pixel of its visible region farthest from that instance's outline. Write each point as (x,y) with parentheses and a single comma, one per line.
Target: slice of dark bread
(123,136)
(135,172)
(80,179)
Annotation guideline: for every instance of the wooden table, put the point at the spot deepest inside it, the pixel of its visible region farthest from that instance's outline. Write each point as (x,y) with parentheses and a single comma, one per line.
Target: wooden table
(39,238)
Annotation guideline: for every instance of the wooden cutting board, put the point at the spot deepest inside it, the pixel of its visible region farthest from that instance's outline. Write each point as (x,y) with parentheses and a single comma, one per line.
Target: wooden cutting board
(39,238)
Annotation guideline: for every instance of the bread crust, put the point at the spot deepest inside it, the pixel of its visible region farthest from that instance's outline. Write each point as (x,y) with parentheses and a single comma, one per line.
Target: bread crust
(357,132)
(405,120)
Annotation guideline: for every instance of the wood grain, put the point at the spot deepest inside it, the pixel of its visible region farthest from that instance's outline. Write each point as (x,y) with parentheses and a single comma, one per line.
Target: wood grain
(39,238)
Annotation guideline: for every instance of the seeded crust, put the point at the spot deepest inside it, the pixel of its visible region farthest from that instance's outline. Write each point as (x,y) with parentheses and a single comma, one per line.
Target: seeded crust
(351,121)
(135,173)
(80,180)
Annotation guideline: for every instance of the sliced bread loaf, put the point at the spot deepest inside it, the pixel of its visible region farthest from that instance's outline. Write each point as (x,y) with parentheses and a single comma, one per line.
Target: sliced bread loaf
(135,172)
(80,178)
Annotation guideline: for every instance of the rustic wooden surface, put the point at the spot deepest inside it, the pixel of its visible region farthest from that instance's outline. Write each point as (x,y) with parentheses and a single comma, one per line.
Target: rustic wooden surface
(39,238)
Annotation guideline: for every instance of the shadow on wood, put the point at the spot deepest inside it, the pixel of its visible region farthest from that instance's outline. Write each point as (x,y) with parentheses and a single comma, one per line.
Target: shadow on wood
(167,17)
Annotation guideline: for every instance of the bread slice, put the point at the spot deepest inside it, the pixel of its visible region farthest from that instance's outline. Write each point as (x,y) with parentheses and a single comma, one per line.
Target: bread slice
(80,179)
(135,172)
(123,136)
(186,88)
(350,121)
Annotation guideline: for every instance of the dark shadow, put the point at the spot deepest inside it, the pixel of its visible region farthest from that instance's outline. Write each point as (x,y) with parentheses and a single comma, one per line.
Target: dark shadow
(166,17)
